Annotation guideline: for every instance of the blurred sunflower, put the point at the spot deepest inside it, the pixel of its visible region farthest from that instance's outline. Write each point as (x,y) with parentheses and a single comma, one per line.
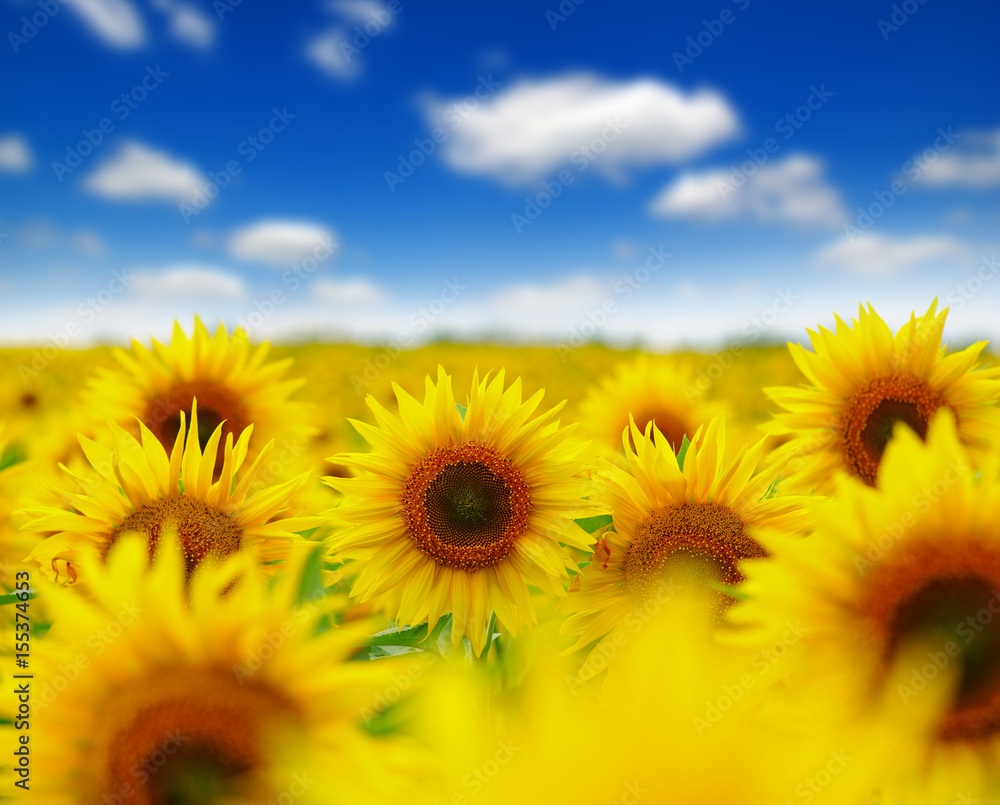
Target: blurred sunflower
(660,389)
(139,487)
(458,514)
(897,592)
(234,698)
(679,728)
(673,522)
(232,381)
(864,380)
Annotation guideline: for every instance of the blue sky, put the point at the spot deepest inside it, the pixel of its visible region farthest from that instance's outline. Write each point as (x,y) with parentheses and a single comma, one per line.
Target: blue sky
(501,169)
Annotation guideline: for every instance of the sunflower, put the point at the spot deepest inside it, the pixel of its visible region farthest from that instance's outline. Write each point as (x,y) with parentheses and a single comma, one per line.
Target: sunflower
(864,380)
(235,386)
(897,592)
(232,693)
(679,728)
(661,390)
(139,487)
(673,522)
(458,514)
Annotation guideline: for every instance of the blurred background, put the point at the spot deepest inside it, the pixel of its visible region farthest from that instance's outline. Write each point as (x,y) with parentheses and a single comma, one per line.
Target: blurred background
(661,176)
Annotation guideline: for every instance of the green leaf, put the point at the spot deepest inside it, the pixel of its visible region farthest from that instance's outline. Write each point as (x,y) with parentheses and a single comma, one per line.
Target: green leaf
(406,639)
(311,583)
(771,491)
(592,524)
(12,598)
(14,454)
(730,590)
(685,444)
(462,410)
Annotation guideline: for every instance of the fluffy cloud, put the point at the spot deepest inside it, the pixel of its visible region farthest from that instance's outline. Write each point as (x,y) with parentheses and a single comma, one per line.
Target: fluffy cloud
(116,22)
(187,281)
(578,290)
(139,173)
(974,163)
(331,52)
(15,155)
(348,292)
(526,131)
(281,243)
(187,23)
(336,50)
(792,191)
(89,243)
(878,254)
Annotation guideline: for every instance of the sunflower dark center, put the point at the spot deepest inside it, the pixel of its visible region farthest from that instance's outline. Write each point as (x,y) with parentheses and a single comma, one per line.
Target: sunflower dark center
(196,775)
(667,422)
(871,412)
(707,535)
(29,400)
(216,404)
(466,505)
(198,738)
(958,617)
(203,529)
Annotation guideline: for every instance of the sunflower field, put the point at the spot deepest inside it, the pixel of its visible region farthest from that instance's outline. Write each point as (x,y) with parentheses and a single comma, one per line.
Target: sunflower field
(464,574)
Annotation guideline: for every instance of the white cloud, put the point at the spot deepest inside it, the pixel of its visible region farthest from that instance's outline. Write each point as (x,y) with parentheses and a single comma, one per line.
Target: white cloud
(791,191)
(89,243)
(15,155)
(281,243)
(332,52)
(187,23)
(529,130)
(348,292)
(362,11)
(975,163)
(139,172)
(878,254)
(116,22)
(568,292)
(187,281)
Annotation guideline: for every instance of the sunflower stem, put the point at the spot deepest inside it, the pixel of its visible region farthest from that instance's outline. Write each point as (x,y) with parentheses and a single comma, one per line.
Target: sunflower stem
(491,628)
